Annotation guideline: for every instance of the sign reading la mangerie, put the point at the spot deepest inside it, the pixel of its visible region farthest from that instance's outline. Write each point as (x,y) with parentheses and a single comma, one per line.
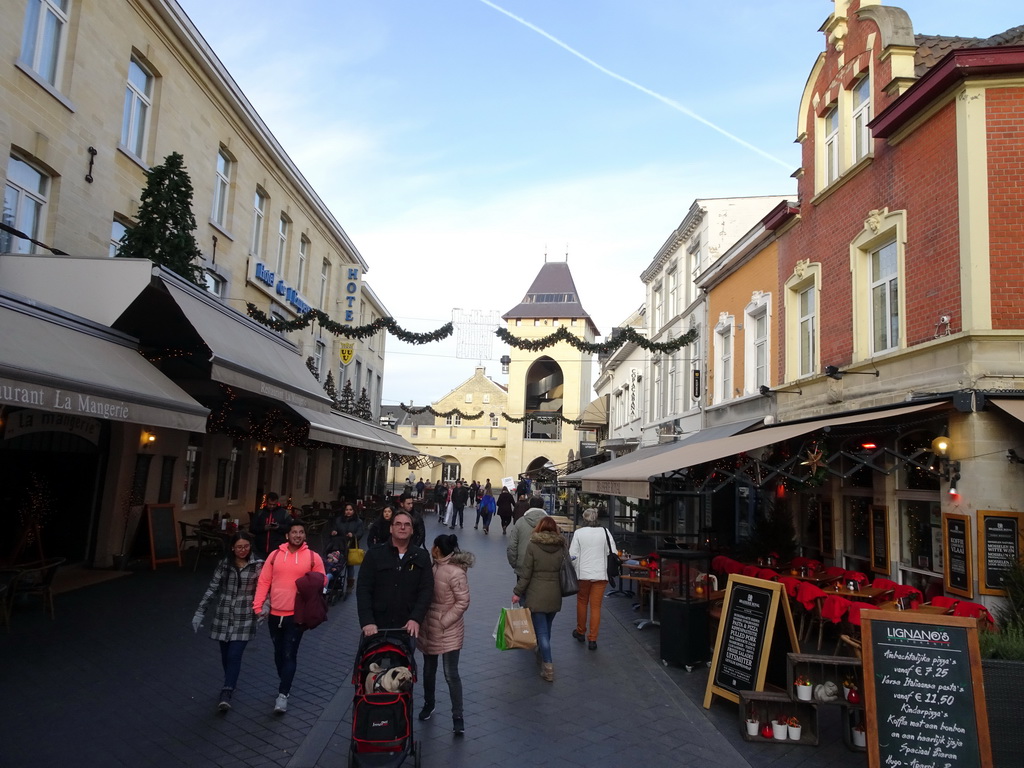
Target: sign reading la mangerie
(62,401)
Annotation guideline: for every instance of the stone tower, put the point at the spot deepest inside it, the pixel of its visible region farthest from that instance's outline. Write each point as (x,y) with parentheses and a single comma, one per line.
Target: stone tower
(549,381)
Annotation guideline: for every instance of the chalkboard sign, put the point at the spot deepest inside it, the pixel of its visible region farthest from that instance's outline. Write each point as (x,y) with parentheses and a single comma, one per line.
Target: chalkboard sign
(826,544)
(748,637)
(163,535)
(879,539)
(924,694)
(998,548)
(956,538)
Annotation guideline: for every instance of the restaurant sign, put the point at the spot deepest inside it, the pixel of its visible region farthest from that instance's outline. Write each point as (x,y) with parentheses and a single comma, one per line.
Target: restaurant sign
(29,421)
(270,282)
(62,401)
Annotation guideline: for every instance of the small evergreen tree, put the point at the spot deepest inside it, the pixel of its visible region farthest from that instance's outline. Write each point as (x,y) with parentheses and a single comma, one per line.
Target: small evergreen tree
(330,388)
(363,409)
(165,225)
(347,402)
(311,365)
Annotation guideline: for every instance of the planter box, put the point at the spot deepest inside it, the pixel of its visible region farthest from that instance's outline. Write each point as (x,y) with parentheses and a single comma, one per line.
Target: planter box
(819,669)
(1004,682)
(852,714)
(768,705)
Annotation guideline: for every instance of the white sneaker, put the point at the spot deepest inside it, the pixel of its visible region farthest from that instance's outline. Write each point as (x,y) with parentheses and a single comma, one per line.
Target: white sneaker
(281,705)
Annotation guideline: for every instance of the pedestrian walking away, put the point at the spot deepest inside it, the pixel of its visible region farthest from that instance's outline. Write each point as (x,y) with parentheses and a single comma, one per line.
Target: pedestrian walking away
(443,630)
(460,495)
(396,584)
(277,593)
(521,506)
(504,506)
(349,526)
(234,624)
(485,511)
(538,587)
(590,547)
(519,536)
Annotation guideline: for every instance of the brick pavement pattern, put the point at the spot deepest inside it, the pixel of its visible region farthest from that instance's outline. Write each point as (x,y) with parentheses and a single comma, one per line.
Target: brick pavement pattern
(119,679)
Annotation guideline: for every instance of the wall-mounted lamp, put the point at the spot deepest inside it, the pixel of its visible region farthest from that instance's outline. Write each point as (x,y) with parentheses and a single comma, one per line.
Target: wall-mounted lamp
(949,470)
(261,448)
(147,438)
(833,372)
(279,450)
(766,390)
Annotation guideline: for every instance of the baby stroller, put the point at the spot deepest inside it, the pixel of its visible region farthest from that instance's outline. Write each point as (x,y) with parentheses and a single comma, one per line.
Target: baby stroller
(337,586)
(382,720)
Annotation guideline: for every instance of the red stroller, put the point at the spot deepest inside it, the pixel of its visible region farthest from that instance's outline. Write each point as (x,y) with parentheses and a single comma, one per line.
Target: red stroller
(381,719)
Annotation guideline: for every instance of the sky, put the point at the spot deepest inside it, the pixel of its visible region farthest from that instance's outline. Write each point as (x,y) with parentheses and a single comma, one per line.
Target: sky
(461,142)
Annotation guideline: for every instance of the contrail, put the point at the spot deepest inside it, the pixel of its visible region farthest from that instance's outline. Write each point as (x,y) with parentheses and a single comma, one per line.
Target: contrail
(663,99)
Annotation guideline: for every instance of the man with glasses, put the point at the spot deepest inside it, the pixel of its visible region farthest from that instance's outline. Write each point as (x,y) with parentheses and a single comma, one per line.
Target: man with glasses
(396,582)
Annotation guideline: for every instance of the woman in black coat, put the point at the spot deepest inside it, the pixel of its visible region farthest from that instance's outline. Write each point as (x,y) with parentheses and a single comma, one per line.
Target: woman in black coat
(506,502)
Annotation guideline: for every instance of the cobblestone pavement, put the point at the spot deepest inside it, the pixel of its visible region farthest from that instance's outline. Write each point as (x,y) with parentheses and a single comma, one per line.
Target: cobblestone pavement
(120,679)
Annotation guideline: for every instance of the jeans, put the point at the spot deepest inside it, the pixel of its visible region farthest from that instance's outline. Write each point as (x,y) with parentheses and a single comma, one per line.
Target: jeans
(450,664)
(542,628)
(457,515)
(591,595)
(286,636)
(231,659)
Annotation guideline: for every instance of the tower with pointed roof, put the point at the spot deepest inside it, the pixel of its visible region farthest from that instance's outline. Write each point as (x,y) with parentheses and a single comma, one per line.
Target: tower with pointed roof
(550,382)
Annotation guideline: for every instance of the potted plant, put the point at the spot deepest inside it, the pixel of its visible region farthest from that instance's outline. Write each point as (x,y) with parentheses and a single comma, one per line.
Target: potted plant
(780,728)
(860,737)
(1002,665)
(804,690)
(753,723)
(849,684)
(794,728)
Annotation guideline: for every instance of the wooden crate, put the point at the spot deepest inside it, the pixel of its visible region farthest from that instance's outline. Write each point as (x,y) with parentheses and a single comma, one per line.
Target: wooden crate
(852,714)
(770,704)
(821,668)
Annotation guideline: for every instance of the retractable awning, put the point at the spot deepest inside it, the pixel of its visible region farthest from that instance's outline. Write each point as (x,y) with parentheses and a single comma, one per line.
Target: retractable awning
(246,355)
(342,429)
(595,415)
(56,362)
(632,478)
(1012,406)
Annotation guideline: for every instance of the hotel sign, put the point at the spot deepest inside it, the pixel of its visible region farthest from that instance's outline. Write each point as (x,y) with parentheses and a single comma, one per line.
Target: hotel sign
(269,282)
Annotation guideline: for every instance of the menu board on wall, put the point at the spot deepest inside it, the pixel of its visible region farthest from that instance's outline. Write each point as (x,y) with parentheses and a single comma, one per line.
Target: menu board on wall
(749,637)
(998,548)
(956,545)
(879,546)
(924,696)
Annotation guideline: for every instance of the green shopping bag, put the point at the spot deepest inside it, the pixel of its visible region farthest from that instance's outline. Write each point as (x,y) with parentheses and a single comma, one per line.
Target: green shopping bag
(515,630)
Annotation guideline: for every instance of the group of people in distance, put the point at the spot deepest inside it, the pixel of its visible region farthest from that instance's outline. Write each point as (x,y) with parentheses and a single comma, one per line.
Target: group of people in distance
(400,585)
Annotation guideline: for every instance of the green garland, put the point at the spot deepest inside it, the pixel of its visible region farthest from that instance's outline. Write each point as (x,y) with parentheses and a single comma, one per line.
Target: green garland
(442,414)
(349,331)
(604,348)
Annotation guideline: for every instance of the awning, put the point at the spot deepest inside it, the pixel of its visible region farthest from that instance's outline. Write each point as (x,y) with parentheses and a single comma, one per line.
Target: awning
(595,414)
(56,362)
(342,429)
(247,355)
(631,475)
(1013,407)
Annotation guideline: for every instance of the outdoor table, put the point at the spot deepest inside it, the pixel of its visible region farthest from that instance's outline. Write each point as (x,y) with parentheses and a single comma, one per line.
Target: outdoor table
(651,584)
(818,579)
(934,610)
(865,594)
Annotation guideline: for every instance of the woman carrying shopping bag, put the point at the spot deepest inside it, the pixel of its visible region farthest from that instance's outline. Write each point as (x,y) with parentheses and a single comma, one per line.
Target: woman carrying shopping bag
(591,545)
(538,586)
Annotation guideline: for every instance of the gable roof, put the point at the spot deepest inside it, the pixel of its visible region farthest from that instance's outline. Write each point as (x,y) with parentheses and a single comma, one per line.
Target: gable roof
(551,295)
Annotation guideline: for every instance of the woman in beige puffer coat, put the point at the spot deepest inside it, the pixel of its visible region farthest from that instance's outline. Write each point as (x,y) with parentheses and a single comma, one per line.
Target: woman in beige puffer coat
(442,630)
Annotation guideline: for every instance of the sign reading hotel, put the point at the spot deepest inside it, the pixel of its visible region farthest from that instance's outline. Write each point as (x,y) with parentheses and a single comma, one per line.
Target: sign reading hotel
(62,401)
(271,283)
(351,289)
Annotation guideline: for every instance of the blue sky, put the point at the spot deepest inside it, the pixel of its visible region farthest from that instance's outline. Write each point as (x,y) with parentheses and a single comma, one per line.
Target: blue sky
(457,144)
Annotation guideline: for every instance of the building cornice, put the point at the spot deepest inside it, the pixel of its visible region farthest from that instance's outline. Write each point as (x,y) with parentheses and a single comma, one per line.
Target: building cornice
(679,236)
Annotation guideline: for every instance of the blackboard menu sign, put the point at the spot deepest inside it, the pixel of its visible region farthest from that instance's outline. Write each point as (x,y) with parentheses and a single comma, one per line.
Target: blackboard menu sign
(998,548)
(163,535)
(747,635)
(879,539)
(956,538)
(924,695)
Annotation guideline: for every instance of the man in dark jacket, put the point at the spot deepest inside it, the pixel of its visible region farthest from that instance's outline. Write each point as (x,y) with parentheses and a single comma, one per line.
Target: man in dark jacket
(269,527)
(396,583)
(419,528)
(441,499)
(460,495)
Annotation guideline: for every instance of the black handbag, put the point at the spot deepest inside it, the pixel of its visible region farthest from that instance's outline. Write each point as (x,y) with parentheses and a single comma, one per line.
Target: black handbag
(614,561)
(567,578)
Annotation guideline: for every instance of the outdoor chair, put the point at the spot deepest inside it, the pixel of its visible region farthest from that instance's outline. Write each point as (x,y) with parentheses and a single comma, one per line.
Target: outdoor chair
(974,611)
(768,574)
(941,601)
(835,571)
(209,543)
(903,591)
(32,580)
(189,535)
(884,583)
(751,570)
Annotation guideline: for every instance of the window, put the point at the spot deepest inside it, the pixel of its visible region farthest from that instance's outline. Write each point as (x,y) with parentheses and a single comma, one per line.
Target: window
(487,399)
(807,318)
(885,319)
(259,211)
(221,188)
(193,469)
(117,230)
(659,308)
(832,145)
(655,404)
(861,118)
(24,206)
(370,340)
(303,257)
(673,384)
(325,280)
(761,350)
(756,338)
(469,397)
(310,483)
(234,474)
(215,284)
(455,420)
(282,242)
(138,98)
(42,42)
(494,419)
(723,357)
(318,358)
(673,291)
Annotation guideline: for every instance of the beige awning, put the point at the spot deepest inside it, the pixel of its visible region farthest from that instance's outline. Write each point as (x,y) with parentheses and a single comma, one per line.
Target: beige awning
(54,362)
(246,355)
(1013,407)
(342,429)
(689,452)
(595,414)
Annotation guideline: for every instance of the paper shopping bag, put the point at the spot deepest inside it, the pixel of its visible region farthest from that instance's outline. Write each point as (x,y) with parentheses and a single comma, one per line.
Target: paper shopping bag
(518,631)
